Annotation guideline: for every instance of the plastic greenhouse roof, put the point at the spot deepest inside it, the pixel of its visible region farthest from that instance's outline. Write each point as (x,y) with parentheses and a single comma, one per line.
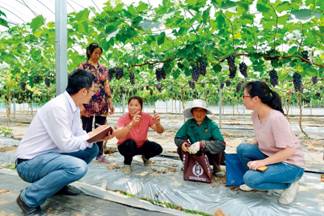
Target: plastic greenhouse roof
(22,11)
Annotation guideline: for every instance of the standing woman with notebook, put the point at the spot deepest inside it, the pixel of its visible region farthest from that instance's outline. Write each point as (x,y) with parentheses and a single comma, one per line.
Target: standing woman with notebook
(101,103)
(276,146)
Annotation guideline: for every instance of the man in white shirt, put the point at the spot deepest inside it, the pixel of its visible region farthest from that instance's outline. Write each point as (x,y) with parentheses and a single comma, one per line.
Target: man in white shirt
(54,151)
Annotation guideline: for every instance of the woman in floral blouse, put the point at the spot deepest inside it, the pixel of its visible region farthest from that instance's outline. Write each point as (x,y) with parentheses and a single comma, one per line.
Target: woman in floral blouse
(101,103)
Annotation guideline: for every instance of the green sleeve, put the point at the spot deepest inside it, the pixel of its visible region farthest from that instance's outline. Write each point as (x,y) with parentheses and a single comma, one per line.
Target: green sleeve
(216,145)
(181,134)
(216,134)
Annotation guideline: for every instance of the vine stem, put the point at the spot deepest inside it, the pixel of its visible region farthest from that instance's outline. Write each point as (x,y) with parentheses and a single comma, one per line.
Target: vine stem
(300,105)
(276,31)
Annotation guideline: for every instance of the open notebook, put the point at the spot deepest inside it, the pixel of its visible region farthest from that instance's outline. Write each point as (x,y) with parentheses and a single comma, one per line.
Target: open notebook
(99,133)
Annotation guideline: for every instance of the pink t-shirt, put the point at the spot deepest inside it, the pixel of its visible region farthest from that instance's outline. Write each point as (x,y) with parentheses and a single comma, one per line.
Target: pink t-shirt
(274,134)
(139,132)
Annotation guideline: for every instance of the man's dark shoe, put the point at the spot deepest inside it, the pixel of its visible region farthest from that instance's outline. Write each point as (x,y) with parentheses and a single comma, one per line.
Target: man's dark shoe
(26,209)
(68,190)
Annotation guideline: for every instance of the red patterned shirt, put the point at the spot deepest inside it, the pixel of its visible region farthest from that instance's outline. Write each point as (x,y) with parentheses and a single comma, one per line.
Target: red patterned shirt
(98,104)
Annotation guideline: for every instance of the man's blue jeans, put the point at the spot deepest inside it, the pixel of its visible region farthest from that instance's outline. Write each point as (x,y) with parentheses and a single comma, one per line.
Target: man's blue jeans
(50,172)
(278,176)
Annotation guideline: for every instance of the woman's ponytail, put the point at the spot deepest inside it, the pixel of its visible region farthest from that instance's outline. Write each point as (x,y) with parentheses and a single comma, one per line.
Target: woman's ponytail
(266,95)
(275,102)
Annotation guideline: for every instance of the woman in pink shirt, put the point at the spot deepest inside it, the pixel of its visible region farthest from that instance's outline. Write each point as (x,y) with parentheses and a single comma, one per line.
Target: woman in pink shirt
(275,145)
(131,132)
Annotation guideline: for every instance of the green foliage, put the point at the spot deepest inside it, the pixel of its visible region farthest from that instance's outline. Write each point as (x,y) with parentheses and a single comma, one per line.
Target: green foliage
(6,132)
(3,21)
(175,35)
(37,22)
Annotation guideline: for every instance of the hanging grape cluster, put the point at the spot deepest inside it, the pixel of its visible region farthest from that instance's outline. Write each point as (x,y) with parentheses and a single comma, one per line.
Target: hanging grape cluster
(273,77)
(191,84)
(231,66)
(297,80)
(304,54)
(200,68)
(160,74)
(239,87)
(195,73)
(221,85)
(111,72)
(243,69)
(202,65)
(314,80)
(37,79)
(119,72)
(132,77)
(47,82)
(22,86)
(228,83)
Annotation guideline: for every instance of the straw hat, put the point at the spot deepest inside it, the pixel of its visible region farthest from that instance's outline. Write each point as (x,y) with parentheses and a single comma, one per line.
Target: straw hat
(197,103)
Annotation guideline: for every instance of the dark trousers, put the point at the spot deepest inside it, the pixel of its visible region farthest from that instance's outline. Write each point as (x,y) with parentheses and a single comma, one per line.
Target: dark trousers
(87,124)
(129,149)
(214,159)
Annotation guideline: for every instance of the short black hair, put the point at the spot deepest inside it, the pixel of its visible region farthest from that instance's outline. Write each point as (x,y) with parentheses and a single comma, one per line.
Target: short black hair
(91,48)
(79,79)
(138,98)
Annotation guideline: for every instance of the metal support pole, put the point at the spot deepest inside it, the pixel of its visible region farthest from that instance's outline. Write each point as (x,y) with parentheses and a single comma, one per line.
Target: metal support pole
(61,45)
(220,106)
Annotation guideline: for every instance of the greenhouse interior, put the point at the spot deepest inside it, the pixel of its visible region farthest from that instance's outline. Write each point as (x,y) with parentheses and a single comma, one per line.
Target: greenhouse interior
(168,107)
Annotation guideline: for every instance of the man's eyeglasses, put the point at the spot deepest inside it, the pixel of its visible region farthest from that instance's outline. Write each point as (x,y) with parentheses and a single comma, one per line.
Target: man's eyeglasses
(246,96)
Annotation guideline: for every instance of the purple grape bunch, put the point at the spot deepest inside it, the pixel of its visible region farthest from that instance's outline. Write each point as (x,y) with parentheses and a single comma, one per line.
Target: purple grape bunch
(231,65)
(239,87)
(111,73)
(47,82)
(119,72)
(222,85)
(273,77)
(304,54)
(228,83)
(132,77)
(191,84)
(202,64)
(297,80)
(160,74)
(195,73)
(314,80)
(243,69)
